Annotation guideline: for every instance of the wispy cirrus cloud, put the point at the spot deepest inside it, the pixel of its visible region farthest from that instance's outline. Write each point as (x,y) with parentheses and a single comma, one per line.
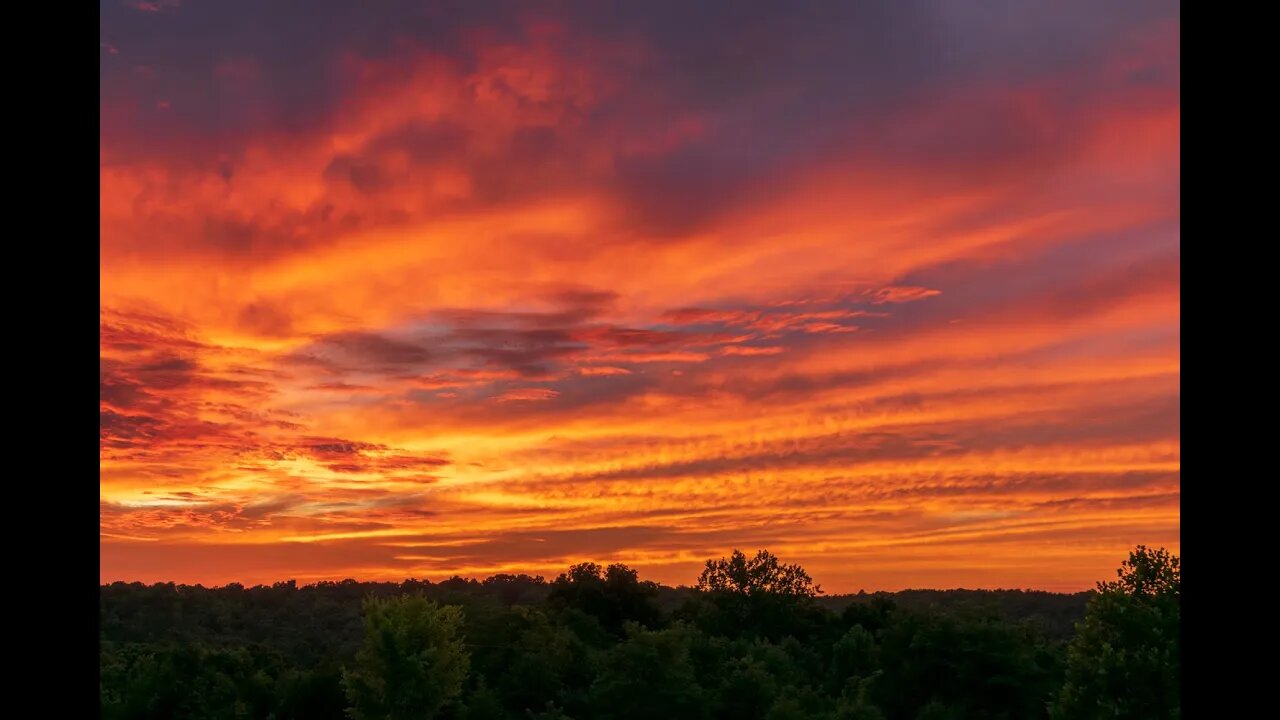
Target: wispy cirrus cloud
(478,286)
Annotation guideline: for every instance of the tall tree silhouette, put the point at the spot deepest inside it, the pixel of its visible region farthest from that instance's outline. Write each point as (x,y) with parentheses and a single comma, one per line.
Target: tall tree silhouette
(614,595)
(758,596)
(762,574)
(1124,661)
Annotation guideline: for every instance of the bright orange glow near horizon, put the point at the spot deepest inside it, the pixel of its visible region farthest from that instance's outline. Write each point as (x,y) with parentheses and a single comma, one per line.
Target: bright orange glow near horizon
(418,290)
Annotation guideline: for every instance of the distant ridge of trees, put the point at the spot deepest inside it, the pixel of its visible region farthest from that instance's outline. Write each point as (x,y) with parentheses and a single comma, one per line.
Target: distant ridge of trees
(753,639)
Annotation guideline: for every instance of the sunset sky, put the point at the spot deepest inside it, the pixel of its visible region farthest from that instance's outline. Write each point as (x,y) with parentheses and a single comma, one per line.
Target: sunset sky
(408,289)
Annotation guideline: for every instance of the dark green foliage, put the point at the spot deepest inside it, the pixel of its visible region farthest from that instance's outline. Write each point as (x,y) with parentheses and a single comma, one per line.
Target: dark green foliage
(759,596)
(803,702)
(482,704)
(311,695)
(1053,614)
(649,674)
(749,689)
(854,703)
(613,596)
(756,642)
(853,656)
(540,662)
(983,668)
(1125,660)
(190,682)
(412,662)
(551,712)
(938,711)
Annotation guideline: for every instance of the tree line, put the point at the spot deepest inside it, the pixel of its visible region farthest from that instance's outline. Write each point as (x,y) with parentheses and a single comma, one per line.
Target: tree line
(753,640)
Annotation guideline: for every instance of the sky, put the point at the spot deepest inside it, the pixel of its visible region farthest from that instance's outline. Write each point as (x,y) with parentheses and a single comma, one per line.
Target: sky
(414,289)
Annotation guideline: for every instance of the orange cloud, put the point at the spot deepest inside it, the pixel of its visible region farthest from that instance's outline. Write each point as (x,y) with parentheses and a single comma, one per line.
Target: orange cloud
(427,294)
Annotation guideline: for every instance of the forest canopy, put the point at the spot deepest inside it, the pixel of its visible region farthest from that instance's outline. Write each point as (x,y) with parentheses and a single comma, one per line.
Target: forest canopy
(755,638)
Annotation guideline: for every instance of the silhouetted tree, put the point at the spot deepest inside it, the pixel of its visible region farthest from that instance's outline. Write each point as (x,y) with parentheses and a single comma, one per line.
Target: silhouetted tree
(756,596)
(1125,659)
(762,574)
(873,614)
(516,589)
(614,595)
(412,662)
